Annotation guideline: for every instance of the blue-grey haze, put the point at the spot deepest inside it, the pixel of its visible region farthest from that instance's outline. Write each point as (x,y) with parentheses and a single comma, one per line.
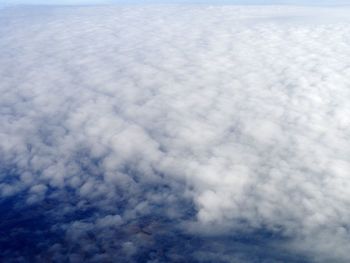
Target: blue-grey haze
(239,2)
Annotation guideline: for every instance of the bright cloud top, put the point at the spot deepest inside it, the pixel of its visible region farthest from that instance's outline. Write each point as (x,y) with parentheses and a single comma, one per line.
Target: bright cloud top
(172,134)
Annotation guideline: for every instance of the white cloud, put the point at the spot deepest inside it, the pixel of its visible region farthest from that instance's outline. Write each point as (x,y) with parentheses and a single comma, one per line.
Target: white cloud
(240,113)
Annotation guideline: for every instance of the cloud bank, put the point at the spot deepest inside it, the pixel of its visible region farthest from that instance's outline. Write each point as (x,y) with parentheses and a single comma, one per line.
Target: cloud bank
(174,134)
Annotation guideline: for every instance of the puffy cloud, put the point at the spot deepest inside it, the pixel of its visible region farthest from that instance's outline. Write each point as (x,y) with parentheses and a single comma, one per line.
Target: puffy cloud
(185,134)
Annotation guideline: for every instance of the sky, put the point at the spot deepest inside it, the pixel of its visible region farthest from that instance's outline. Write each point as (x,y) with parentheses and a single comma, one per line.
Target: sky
(94,2)
(175,133)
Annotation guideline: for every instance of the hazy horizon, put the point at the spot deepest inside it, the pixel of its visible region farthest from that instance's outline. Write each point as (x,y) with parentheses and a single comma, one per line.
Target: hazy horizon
(211,2)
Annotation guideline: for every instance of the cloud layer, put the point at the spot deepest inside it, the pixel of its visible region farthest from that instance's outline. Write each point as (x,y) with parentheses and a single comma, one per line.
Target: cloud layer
(174,134)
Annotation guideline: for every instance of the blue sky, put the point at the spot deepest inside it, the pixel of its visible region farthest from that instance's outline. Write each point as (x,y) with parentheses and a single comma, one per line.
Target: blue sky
(79,2)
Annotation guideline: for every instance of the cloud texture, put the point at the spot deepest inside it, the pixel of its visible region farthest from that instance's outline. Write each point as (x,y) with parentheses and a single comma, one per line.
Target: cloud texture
(174,134)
